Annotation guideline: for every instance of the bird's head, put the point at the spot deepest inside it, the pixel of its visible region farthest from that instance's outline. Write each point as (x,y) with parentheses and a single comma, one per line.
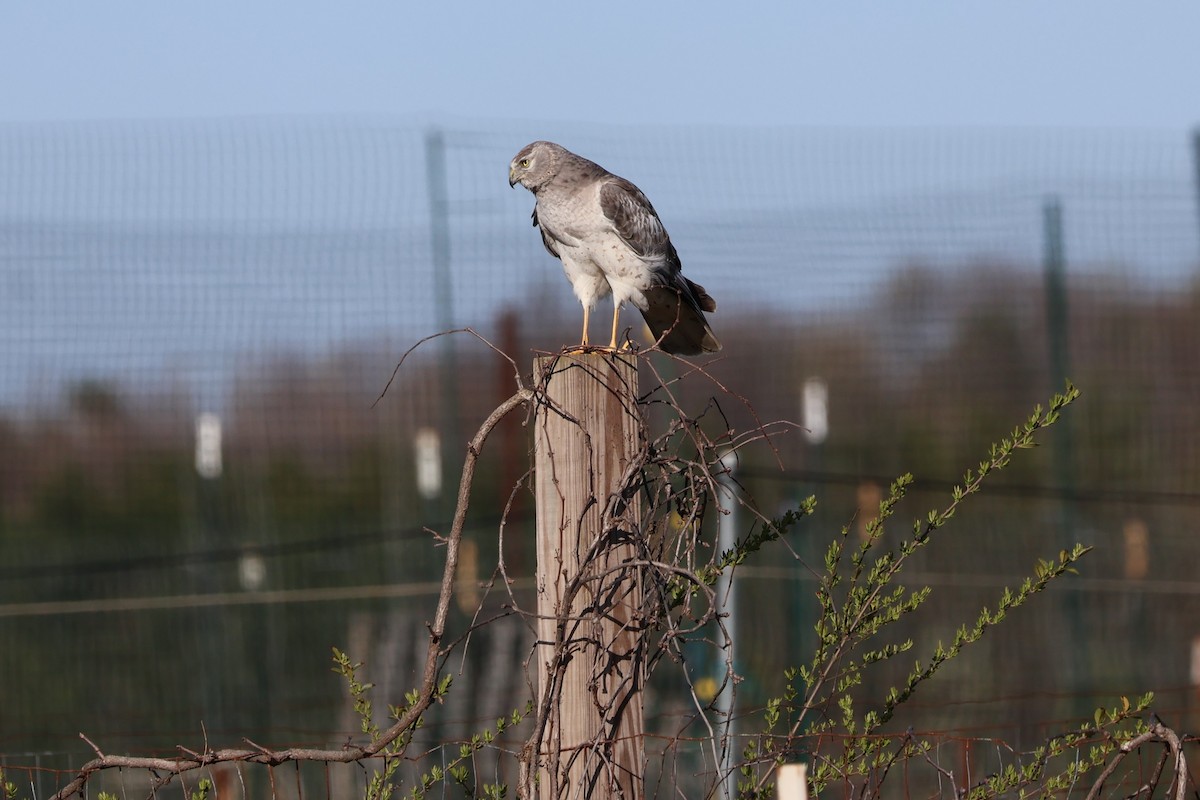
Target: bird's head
(535,165)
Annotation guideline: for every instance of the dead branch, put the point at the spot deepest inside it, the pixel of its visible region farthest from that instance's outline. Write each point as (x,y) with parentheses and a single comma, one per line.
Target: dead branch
(1156,733)
(678,601)
(668,561)
(349,753)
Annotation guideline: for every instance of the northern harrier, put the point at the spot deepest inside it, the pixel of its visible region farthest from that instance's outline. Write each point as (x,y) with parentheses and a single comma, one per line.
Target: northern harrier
(609,239)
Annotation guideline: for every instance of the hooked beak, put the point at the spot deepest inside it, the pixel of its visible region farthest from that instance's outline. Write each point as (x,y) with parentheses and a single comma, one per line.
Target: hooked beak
(512,177)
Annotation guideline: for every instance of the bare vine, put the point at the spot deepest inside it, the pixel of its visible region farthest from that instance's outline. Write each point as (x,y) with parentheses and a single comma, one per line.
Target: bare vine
(190,760)
(676,493)
(654,524)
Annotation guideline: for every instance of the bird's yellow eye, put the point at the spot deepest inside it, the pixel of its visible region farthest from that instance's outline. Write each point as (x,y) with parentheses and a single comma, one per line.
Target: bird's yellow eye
(524,162)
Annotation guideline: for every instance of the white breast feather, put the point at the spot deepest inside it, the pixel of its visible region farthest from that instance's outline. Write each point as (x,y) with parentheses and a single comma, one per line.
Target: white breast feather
(595,258)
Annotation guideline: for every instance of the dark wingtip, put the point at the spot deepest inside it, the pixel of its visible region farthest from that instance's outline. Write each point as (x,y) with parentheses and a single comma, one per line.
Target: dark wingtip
(703,298)
(676,321)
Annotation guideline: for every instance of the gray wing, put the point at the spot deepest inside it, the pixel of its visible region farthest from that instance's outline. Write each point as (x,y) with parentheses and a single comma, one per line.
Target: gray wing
(675,304)
(638,225)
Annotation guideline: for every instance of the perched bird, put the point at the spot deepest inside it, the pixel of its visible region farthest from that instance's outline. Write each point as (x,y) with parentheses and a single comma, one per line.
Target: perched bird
(609,239)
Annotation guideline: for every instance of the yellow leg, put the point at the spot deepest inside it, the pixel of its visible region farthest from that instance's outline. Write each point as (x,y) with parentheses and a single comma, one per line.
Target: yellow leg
(612,343)
(587,313)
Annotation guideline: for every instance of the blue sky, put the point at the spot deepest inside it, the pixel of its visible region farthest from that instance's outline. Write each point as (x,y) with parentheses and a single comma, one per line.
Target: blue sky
(145,250)
(1062,63)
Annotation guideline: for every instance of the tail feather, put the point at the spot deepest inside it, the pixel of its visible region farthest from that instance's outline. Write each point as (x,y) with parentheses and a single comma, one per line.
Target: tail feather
(702,297)
(675,315)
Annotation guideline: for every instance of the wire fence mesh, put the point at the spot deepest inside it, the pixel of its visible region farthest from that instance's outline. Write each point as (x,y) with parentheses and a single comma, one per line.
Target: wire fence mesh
(271,272)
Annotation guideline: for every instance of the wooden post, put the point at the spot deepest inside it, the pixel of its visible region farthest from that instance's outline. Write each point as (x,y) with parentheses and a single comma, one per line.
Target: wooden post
(590,653)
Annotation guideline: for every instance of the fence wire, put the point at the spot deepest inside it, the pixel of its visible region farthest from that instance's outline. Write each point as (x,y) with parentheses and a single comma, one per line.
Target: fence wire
(269,273)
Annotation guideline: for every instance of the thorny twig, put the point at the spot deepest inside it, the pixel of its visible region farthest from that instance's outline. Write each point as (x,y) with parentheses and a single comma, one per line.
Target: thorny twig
(429,680)
(677,492)
(1157,732)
